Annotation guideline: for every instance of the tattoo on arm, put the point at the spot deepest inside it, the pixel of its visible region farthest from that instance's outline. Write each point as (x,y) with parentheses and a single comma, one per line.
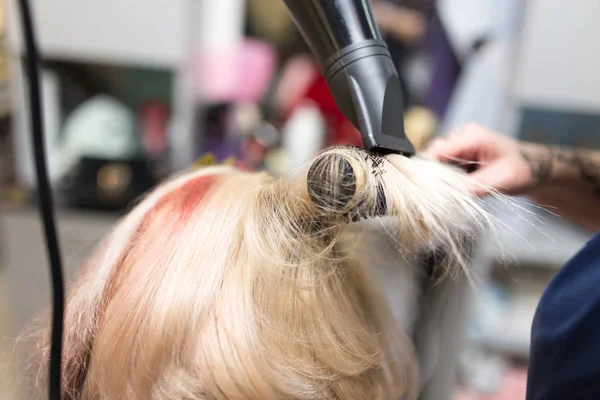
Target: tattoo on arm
(540,163)
(586,163)
(587,166)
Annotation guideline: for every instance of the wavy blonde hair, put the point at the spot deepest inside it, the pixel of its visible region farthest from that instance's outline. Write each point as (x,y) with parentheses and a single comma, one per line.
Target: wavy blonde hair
(229,285)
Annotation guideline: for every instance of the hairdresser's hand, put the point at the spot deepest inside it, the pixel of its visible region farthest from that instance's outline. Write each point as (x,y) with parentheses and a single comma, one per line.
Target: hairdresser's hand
(499,162)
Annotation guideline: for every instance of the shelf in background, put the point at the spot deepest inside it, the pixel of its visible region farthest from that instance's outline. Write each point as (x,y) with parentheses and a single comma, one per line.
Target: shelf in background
(512,347)
(534,244)
(534,238)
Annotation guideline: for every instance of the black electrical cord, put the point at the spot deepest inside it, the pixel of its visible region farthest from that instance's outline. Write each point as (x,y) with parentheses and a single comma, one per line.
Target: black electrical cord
(45,201)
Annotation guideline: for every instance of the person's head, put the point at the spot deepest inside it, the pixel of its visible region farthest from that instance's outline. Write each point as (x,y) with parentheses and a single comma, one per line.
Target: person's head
(228,285)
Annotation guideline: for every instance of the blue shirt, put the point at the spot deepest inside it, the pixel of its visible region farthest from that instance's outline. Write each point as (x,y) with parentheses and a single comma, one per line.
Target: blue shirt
(565,336)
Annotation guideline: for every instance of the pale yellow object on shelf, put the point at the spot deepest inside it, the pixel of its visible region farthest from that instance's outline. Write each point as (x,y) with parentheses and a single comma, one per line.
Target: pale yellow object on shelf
(271,20)
(209,160)
(2,18)
(277,162)
(420,124)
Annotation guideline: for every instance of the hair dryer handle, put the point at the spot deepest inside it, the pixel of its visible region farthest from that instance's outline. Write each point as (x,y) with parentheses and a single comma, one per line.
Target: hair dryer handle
(366,87)
(357,66)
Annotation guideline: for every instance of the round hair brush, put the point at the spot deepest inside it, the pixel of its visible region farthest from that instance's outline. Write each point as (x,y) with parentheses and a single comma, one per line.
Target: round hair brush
(340,182)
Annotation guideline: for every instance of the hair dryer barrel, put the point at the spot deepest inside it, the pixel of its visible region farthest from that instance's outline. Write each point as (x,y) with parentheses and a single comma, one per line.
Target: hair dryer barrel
(356,63)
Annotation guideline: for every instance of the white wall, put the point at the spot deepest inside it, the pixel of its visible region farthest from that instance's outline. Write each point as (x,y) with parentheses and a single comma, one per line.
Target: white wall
(559,58)
(148,32)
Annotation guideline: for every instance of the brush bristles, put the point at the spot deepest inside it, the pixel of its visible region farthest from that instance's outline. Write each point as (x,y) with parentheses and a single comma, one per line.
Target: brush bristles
(339,183)
(226,285)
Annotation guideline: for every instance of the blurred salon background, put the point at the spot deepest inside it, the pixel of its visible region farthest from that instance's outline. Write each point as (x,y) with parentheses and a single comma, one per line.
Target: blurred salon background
(135,90)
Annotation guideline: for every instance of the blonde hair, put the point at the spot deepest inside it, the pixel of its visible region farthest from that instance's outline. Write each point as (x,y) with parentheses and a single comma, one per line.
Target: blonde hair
(228,285)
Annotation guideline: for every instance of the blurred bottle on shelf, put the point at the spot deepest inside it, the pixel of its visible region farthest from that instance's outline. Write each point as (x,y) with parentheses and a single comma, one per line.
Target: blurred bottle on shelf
(303,136)
(102,163)
(420,124)
(154,128)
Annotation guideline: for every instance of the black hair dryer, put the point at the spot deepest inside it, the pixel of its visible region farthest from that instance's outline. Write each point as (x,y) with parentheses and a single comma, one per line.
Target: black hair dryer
(358,68)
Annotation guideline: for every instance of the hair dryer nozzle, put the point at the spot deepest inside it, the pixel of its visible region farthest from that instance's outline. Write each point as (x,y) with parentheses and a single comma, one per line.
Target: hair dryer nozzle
(356,63)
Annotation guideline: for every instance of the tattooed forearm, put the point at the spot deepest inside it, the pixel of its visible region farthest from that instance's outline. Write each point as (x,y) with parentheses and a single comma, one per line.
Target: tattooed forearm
(540,161)
(585,162)
(546,161)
